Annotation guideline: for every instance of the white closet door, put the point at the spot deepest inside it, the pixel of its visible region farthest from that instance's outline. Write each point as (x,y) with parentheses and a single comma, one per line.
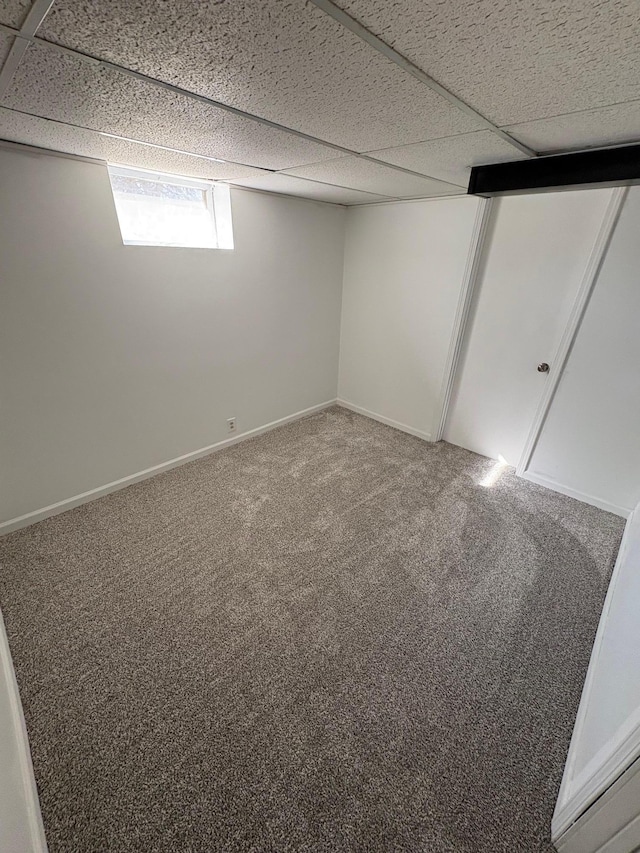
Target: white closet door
(536,254)
(590,442)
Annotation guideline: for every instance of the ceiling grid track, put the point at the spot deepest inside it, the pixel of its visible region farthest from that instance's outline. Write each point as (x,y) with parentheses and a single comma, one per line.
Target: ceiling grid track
(85,158)
(39,149)
(135,141)
(358,29)
(37,14)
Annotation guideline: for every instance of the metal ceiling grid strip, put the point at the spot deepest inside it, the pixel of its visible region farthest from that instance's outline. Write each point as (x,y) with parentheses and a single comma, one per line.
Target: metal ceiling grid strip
(35,16)
(358,29)
(93,60)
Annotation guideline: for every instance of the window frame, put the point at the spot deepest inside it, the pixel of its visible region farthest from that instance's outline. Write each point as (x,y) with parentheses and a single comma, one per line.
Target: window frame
(207,187)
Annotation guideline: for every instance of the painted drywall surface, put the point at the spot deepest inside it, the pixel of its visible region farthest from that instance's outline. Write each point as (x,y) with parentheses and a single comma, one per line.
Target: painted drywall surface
(535,255)
(116,358)
(404,265)
(609,713)
(21,829)
(14,813)
(614,695)
(591,439)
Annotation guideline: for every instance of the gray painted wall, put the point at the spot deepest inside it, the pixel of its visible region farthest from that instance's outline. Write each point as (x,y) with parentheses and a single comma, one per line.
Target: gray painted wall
(404,268)
(117,358)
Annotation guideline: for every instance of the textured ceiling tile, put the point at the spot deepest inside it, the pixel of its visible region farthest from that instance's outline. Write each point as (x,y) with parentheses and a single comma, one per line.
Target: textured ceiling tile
(516,60)
(607,126)
(13,12)
(289,185)
(5,44)
(451,159)
(127,153)
(29,130)
(358,174)
(283,60)
(52,85)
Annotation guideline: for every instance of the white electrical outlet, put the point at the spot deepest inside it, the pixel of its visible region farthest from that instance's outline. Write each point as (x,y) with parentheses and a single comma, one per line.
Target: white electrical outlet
(231,424)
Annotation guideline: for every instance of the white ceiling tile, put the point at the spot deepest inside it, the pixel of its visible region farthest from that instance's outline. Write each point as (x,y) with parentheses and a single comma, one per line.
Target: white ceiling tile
(516,60)
(52,85)
(359,174)
(128,153)
(288,185)
(5,45)
(285,61)
(607,126)
(13,12)
(451,159)
(30,130)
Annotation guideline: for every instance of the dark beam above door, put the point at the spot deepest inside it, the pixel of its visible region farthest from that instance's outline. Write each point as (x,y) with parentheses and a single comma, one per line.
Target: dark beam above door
(602,167)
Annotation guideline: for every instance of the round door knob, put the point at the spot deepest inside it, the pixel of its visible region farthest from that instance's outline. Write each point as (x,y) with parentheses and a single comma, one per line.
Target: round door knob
(543,368)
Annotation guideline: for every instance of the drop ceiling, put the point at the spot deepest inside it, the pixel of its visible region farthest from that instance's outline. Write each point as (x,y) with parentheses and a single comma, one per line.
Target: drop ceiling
(395,99)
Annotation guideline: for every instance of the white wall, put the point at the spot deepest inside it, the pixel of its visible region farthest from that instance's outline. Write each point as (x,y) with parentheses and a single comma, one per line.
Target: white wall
(21,829)
(117,358)
(590,442)
(404,265)
(606,737)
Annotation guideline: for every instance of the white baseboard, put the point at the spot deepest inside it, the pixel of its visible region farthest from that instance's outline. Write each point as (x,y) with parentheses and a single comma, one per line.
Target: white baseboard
(100,491)
(548,483)
(384,420)
(20,817)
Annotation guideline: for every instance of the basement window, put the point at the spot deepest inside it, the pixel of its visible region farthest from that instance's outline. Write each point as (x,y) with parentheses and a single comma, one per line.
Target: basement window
(155,209)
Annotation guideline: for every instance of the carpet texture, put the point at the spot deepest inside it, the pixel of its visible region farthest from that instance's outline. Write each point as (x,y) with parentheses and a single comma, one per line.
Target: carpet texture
(328,638)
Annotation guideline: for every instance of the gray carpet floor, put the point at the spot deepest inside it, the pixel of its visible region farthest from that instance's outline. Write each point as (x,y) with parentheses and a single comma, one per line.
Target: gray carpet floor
(328,638)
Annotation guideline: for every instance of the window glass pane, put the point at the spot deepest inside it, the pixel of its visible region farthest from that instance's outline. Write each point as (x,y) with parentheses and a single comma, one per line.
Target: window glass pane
(163,214)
